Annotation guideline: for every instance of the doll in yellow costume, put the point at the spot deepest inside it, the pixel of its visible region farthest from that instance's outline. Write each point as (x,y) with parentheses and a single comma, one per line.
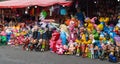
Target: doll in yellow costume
(89,24)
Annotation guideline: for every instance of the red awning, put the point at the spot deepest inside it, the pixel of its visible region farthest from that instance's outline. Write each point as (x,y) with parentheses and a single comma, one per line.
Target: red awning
(25,3)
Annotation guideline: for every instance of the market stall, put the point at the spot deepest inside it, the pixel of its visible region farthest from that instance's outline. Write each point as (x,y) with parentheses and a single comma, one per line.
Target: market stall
(25,3)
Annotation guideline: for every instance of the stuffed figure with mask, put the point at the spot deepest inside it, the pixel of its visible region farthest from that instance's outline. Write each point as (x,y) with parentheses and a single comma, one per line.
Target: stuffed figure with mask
(53,41)
(72,32)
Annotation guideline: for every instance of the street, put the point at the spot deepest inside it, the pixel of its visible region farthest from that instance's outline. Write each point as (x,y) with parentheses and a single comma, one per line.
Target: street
(15,55)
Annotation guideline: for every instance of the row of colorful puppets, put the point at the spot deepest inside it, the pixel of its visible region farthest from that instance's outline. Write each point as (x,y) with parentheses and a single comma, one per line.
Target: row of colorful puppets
(95,41)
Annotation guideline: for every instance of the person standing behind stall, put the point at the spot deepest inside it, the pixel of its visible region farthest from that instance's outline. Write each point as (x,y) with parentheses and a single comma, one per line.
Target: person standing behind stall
(80,16)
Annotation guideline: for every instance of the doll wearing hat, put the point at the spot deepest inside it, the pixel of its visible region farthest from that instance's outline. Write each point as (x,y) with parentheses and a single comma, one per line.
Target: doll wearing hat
(89,26)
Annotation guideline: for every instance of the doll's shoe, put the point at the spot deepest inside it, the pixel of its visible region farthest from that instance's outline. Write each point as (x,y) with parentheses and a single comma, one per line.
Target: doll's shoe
(77,54)
(68,53)
(42,50)
(27,49)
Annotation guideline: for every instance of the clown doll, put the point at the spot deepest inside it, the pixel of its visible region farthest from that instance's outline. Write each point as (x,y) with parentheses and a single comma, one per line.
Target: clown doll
(72,32)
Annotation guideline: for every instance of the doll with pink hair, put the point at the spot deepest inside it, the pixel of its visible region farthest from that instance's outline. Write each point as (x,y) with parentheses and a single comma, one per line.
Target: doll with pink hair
(60,48)
(72,32)
(93,21)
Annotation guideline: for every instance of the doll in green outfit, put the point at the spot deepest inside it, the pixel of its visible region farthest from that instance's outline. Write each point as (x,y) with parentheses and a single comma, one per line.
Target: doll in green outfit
(43,46)
(3,38)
